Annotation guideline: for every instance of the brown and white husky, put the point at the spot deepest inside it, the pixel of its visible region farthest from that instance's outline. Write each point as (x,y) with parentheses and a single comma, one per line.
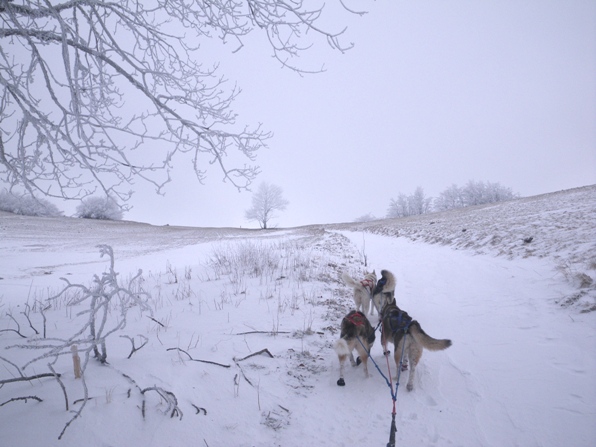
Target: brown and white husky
(356,333)
(398,327)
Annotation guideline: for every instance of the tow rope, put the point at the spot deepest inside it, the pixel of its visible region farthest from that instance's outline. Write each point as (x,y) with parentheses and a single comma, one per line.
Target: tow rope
(393,428)
(389,382)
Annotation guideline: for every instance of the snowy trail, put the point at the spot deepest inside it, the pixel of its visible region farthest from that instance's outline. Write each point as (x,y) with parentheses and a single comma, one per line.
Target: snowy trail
(518,373)
(521,371)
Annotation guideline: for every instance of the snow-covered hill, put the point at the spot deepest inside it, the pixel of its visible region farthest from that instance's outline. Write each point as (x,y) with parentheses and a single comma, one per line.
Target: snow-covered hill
(559,226)
(237,326)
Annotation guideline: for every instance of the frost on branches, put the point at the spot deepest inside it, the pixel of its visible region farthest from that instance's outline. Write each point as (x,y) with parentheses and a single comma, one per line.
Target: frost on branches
(97,95)
(101,311)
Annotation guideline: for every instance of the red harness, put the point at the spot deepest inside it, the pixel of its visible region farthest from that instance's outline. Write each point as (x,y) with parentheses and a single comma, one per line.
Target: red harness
(357,318)
(367,284)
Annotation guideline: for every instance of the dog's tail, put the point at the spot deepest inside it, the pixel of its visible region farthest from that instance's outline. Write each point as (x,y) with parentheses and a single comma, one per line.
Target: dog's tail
(432,344)
(351,282)
(341,347)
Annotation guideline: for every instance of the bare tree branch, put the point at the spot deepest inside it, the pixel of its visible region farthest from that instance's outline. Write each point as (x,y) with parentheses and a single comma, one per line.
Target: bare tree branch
(28,378)
(26,313)
(13,365)
(95,95)
(197,360)
(26,398)
(262,351)
(263,332)
(132,341)
(17,330)
(57,376)
(199,409)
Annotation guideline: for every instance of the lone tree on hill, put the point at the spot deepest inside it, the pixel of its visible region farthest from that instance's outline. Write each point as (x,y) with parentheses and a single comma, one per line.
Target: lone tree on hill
(96,95)
(265,202)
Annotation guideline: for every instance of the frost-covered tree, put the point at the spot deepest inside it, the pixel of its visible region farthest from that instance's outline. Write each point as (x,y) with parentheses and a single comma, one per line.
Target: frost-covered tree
(266,201)
(95,95)
(27,205)
(398,207)
(411,205)
(449,199)
(474,193)
(495,192)
(368,217)
(102,208)
(418,203)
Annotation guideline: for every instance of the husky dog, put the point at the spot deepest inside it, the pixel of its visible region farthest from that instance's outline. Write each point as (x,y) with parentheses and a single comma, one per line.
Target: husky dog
(362,289)
(399,326)
(384,291)
(356,332)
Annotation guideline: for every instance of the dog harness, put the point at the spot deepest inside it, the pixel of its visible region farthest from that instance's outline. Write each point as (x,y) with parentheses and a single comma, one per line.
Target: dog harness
(367,284)
(356,318)
(399,321)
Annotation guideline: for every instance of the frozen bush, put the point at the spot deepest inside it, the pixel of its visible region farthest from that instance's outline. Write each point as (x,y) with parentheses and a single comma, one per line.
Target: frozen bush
(102,208)
(365,218)
(474,193)
(27,205)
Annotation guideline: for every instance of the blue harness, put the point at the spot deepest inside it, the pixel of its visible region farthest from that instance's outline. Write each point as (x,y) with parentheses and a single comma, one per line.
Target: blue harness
(399,321)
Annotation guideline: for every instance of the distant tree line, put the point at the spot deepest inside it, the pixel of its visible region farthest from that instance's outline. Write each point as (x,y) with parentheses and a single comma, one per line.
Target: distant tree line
(473,193)
(104,208)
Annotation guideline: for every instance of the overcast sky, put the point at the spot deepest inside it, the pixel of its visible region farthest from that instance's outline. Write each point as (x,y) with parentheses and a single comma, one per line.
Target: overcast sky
(434,93)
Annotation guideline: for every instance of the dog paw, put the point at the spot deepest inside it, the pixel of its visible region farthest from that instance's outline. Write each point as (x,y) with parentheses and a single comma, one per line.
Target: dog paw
(341,382)
(358,361)
(410,387)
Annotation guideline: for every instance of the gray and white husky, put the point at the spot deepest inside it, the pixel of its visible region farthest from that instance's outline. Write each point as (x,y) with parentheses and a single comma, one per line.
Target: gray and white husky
(384,291)
(398,327)
(356,333)
(362,289)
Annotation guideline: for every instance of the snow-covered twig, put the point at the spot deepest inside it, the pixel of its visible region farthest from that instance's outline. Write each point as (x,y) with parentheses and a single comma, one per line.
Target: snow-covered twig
(134,348)
(26,379)
(197,360)
(25,398)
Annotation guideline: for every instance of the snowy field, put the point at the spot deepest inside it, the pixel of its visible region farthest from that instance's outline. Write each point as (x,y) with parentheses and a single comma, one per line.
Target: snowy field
(237,327)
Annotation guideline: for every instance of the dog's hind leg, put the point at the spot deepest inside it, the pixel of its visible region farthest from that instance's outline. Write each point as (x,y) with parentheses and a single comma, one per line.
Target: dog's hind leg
(365,303)
(363,356)
(414,354)
(352,361)
(397,356)
(376,302)
(342,361)
(357,301)
(343,350)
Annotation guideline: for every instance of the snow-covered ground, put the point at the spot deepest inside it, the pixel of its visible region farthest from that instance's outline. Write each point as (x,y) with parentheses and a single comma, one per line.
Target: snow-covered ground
(262,310)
